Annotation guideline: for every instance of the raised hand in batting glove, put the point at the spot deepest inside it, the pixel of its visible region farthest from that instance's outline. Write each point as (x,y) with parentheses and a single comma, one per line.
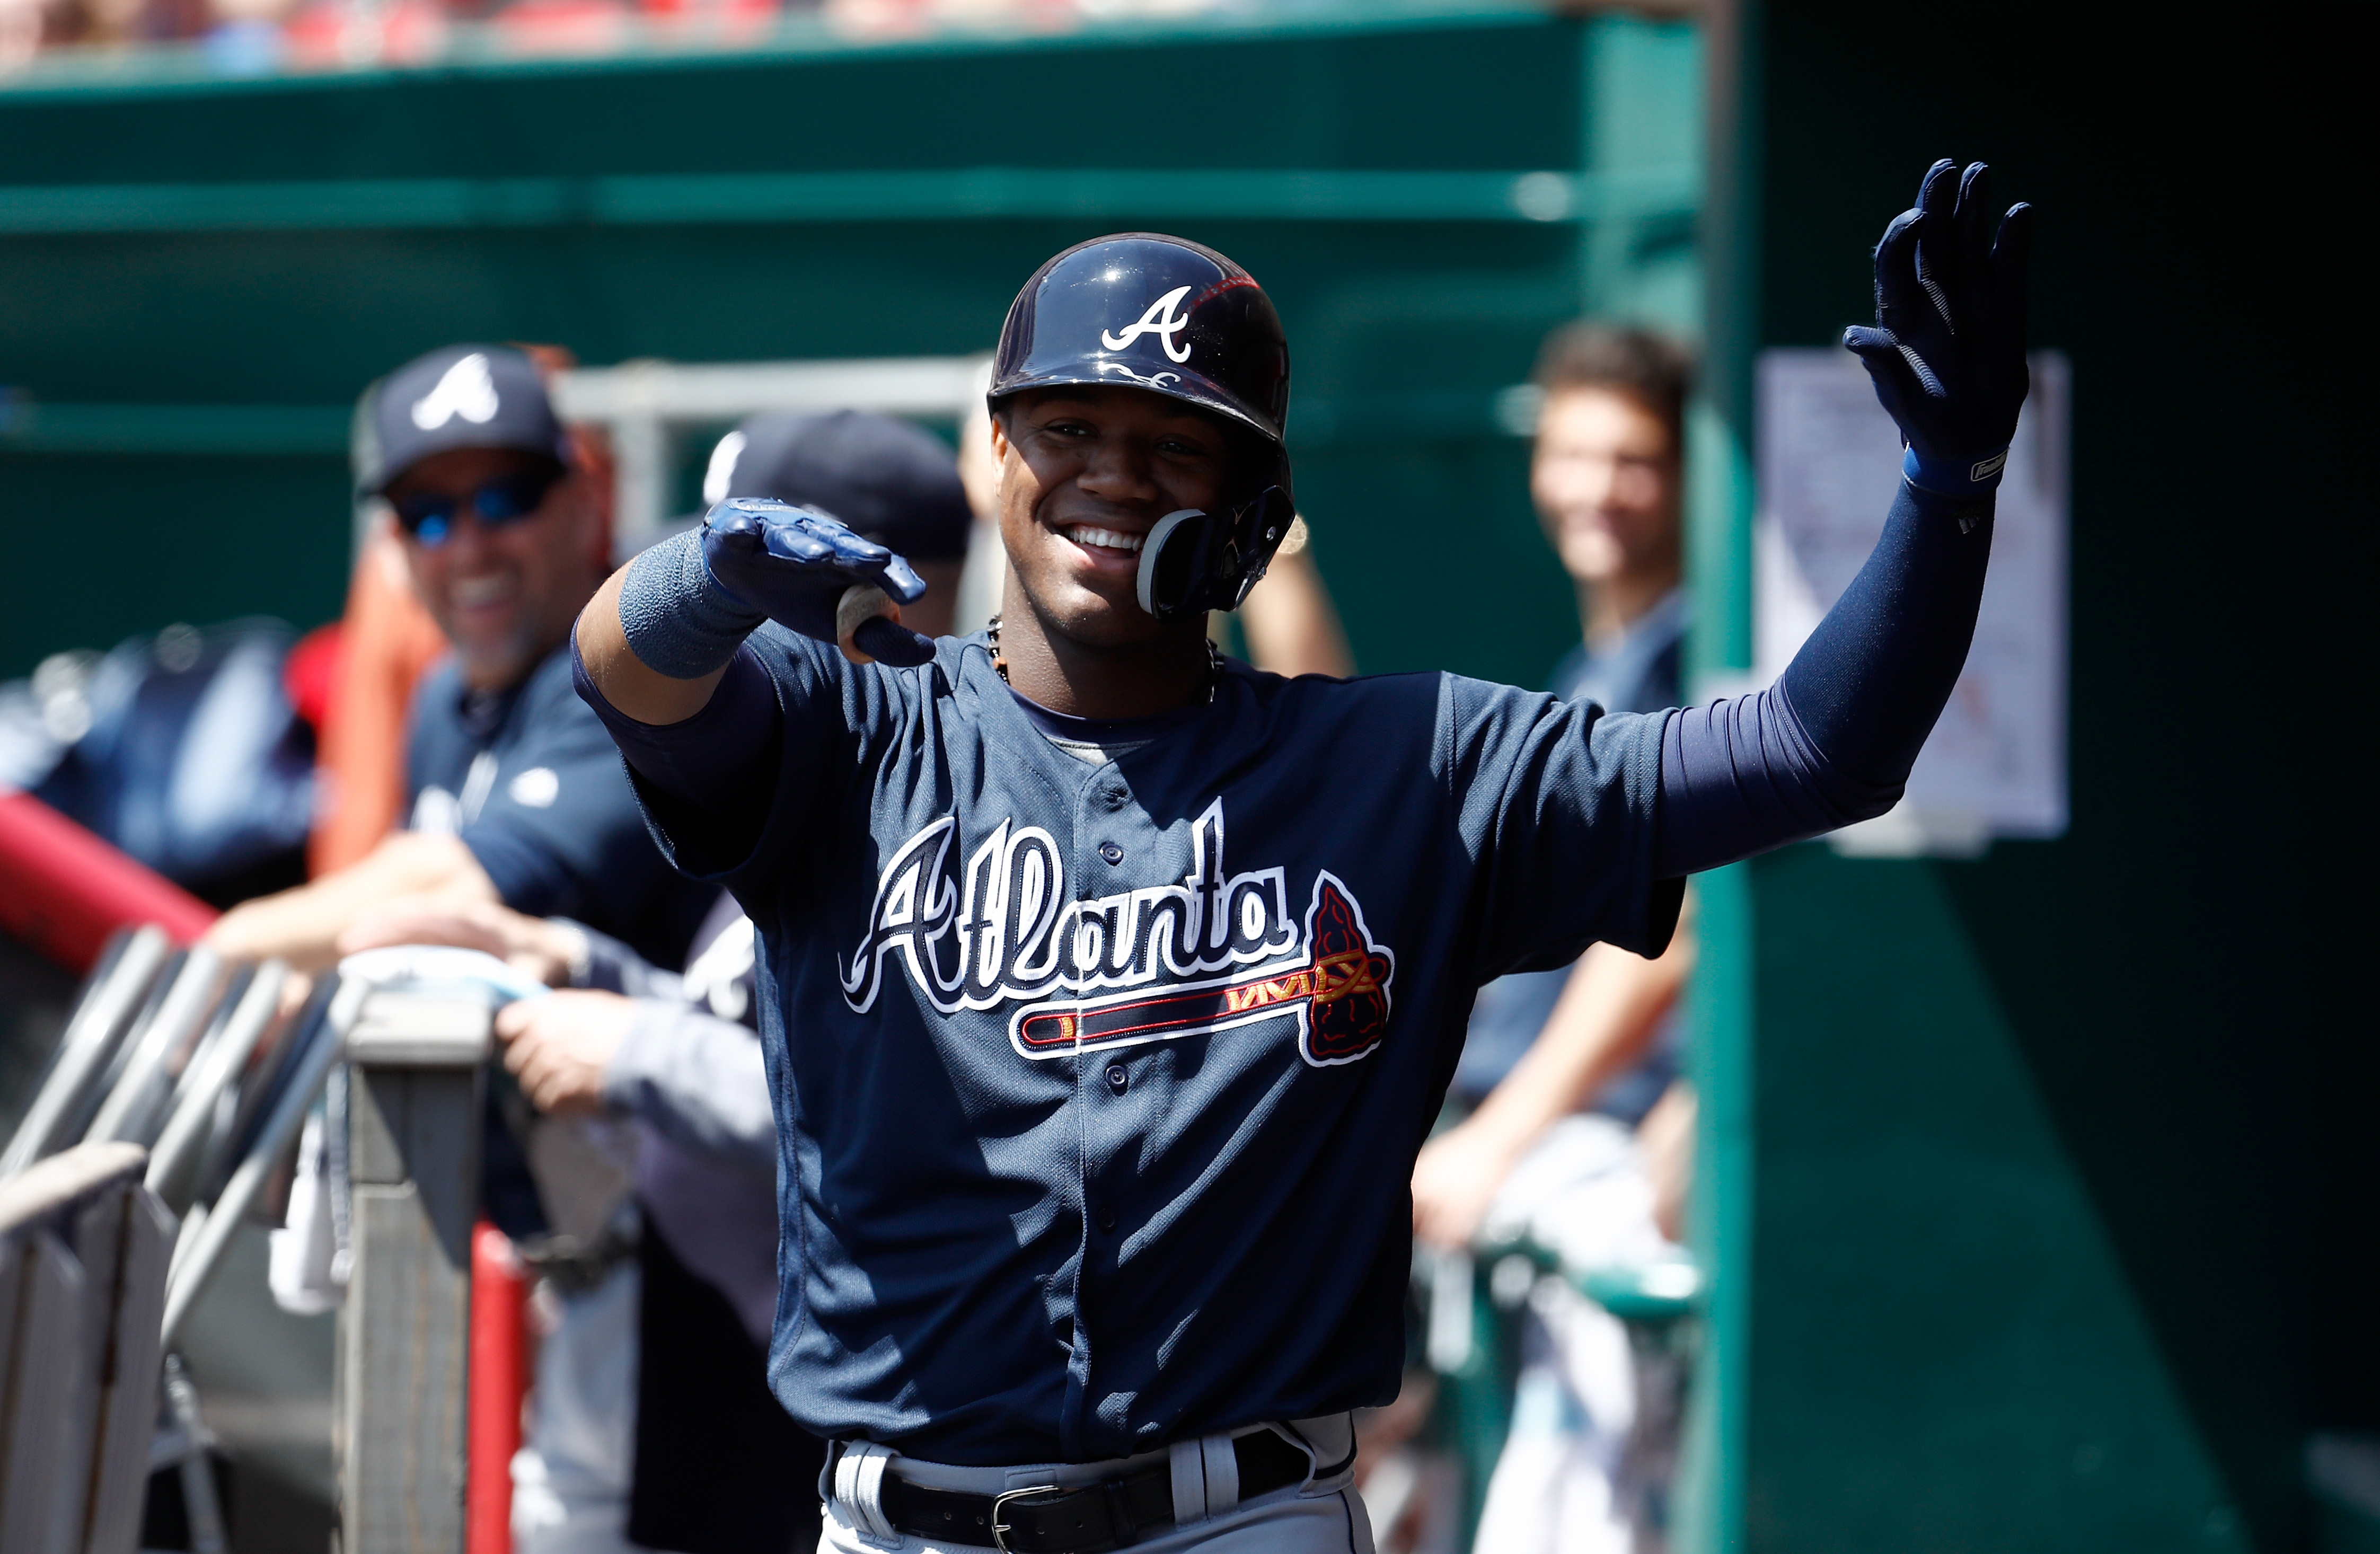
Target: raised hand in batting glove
(811,573)
(1947,353)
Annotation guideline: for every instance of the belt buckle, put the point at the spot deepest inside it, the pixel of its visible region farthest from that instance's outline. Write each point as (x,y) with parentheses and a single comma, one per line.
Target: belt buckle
(1000,1530)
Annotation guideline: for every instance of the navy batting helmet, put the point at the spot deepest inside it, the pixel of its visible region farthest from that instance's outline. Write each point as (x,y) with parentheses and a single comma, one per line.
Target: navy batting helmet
(1165,315)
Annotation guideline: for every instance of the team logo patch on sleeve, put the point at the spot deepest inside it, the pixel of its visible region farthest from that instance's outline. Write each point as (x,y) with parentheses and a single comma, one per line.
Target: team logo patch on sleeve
(1216,952)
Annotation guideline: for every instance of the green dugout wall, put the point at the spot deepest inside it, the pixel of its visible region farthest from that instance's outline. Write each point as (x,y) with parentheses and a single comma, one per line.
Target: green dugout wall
(2037,1189)
(2043,1183)
(201,274)
(197,276)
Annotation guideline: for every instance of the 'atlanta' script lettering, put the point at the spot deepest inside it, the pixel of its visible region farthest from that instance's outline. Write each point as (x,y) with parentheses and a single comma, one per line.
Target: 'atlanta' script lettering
(1214,951)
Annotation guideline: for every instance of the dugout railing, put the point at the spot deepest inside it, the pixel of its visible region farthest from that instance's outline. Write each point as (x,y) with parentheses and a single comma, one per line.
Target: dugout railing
(162,1122)
(173,1097)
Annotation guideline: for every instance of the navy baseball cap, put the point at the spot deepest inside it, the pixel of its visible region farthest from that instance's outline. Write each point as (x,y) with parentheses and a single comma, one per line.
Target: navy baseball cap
(890,481)
(461,397)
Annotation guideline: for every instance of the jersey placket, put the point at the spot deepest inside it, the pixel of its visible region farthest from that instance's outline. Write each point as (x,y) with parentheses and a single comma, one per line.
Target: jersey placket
(1114,848)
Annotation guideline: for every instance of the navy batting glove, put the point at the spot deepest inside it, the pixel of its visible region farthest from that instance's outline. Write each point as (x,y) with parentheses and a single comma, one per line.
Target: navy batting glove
(1947,354)
(795,566)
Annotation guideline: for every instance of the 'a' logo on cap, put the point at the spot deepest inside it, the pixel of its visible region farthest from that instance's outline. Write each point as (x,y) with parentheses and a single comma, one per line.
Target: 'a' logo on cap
(465,389)
(1162,321)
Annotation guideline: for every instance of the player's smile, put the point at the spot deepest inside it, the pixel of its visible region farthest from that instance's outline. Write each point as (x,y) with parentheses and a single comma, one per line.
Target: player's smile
(1107,553)
(1096,540)
(1087,472)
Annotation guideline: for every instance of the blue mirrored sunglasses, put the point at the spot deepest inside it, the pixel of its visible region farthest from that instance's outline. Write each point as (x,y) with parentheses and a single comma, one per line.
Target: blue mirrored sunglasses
(430,516)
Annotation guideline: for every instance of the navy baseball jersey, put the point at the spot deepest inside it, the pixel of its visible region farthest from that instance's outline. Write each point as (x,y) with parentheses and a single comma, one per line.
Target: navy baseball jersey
(533,784)
(1098,1085)
(1643,672)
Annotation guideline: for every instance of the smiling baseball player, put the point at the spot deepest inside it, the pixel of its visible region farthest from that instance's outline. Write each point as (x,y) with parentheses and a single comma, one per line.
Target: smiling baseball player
(1111,987)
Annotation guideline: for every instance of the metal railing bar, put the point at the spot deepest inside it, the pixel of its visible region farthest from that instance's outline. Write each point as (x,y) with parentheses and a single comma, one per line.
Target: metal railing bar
(90,1040)
(111,954)
(237,976)
(200,1250)
(131,1107)
(216,1071)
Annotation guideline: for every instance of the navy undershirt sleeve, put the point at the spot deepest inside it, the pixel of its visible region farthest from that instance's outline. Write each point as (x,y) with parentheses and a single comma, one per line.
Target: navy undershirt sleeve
(1832,741)
(718,761)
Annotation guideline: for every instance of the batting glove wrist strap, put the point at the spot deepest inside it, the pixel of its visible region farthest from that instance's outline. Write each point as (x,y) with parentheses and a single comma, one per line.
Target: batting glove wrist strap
(679,621)
(1953,477)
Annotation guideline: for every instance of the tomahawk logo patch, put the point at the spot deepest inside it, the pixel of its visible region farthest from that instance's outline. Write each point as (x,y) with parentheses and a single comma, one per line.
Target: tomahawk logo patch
(1215,952)
(1162,321)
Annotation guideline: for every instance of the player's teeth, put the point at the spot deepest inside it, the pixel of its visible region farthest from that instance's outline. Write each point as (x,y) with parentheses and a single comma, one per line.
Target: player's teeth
(1105,536)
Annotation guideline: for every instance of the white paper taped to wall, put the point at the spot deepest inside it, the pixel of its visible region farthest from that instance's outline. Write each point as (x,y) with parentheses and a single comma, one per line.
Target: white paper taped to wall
(1830,462)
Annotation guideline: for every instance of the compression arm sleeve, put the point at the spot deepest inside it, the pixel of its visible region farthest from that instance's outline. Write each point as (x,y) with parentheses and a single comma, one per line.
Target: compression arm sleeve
(1832,741)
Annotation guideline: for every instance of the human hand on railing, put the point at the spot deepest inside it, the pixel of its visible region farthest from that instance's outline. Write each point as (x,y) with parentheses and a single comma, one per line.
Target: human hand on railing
(541,951)
(561,1047)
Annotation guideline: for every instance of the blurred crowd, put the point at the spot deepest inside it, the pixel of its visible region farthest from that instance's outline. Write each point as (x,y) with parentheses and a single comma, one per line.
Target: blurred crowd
(258,37)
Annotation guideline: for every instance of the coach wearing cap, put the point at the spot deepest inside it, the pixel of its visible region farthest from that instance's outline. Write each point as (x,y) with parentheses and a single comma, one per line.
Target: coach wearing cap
(517,794)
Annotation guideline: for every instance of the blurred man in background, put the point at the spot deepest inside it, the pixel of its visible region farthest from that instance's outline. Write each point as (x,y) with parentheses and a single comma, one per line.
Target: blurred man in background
(515,795)
(1597,1038)
(1607,479)
(386,642)
(653,1425)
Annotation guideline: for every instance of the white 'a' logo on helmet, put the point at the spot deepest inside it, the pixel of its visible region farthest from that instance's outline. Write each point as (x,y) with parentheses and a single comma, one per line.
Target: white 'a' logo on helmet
(1160,320)
(467,391)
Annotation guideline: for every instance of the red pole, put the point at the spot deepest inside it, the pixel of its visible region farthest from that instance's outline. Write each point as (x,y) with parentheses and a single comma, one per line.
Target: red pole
(63,891)
(500,1376)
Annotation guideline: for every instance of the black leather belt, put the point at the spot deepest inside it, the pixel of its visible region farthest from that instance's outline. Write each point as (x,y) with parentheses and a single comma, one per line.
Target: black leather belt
(1088,1519)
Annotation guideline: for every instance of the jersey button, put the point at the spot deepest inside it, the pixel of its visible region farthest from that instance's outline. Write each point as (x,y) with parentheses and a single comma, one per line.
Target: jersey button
(1107,1218)
(1118,1080)
(1110,850)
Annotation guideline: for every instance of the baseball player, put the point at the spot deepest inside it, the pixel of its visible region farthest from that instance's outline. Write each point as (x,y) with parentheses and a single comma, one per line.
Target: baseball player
(1110,987)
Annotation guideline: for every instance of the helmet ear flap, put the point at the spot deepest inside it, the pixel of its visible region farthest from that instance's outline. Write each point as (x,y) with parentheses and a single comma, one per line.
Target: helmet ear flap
(1173,562)
(1194,561)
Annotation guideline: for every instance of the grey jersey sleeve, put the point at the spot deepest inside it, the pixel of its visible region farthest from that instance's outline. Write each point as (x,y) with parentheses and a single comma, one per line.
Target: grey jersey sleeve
(605,965)
(699,1081)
